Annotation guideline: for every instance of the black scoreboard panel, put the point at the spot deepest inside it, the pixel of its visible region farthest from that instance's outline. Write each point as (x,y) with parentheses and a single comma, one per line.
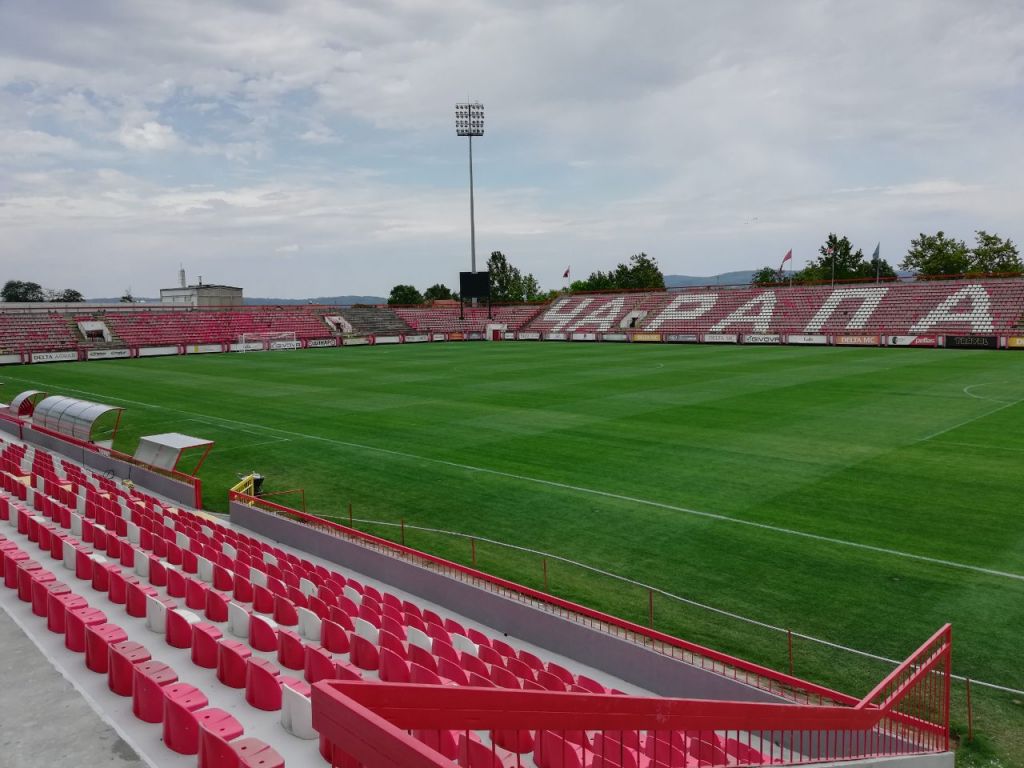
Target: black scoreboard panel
(475,285)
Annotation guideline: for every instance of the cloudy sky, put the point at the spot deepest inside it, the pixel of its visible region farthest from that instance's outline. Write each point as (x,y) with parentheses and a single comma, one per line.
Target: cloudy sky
(306,147)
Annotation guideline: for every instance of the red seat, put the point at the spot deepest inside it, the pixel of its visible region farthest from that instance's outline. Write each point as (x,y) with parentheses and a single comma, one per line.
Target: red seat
(135,599)
(216,729)
(363,653)
(291,651)
(333,637)
(179,627)
(263,684)
(98,639)
(422,657)
(204,645)
(41,591)
(262,634)
(57,606)
(75,622)
(176,586)
(393,668)
(195,594)
(216,606)
(181,729)
(231,662)
(319,665)
(147,699)
(284,612)
(122,658)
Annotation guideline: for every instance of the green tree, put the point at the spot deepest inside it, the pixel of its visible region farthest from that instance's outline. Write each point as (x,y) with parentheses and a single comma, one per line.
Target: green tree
(937,255)
(640,272)
(438,292)
(992,253)
(68,296)
(508,283)
(405,294)
(765,275)
(18,290)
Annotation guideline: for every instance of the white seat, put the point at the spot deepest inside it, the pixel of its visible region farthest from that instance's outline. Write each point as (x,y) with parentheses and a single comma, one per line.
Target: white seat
(307,587)
(181,539)
(76,525)
(463,643)
(69,554)
(419,638)
(297,713)
(309,623)
(80,503)
(156,615)
(205,570)
(269,559)
(352,594)
(367,631)
(238,620)
(257,577)
(228,550)
(134,536)
(141,563)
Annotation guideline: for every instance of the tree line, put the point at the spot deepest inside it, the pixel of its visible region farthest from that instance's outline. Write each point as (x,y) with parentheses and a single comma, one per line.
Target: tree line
(20,290)
(928,257)
(509,284)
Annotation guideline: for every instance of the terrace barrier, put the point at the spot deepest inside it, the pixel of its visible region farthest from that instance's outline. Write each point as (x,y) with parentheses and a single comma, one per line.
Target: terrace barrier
(763,678)
(385,725)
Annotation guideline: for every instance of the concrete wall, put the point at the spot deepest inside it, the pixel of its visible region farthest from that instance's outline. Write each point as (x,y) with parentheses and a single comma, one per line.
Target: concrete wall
(938,760)
(621,658)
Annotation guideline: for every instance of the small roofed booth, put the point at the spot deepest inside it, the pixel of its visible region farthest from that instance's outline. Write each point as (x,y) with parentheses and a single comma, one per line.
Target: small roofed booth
(25,404)
(83,420)
(173,451)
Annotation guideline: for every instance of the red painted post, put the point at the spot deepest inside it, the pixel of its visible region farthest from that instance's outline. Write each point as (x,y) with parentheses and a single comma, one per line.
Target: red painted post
(350,514)
(403,531)
(650,607)
(789,637)
(472,543)
(545,562)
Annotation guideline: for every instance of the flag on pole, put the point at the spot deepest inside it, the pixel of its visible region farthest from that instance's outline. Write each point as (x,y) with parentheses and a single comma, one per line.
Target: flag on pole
(566,275)
(877,249)
(878,262)
(787,257)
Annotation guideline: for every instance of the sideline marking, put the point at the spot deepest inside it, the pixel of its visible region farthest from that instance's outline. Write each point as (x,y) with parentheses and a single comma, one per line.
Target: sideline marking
(594,491)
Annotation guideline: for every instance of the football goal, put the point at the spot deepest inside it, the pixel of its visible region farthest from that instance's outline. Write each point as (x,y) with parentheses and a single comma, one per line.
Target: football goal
(256,342)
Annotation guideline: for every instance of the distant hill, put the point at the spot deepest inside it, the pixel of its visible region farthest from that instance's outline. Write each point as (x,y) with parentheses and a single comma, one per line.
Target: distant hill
(726,278)
(259,301)
(344,300)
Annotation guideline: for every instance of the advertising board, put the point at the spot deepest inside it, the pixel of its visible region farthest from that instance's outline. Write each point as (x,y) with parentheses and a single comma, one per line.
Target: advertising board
(912,341)
(584,337)
(286,344)
(354,341)
(157,351)
(202,349)
(681,338)
(9,359)
(804,338)
(972,342)
(54,357)
(528,336)
(858,341)
(555,336)
(720,338)
(387,339)
(108,354)
(439,337)
(457,336)
(314,343)
(762,338)
(476,336)
(649,337)
(613,337)
(1015,342)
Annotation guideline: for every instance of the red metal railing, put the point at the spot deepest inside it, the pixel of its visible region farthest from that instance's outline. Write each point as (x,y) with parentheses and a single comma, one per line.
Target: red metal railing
(385,725)
(763,678)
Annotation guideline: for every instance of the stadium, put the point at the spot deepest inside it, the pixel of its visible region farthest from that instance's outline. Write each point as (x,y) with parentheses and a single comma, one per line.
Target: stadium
(701,508)
(250,639)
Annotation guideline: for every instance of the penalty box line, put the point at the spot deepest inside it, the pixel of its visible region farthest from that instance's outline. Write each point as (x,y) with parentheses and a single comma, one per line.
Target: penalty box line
(580,489)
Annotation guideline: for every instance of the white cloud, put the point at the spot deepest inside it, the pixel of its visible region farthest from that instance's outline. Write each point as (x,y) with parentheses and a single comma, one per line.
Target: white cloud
(148,135)
(612,128)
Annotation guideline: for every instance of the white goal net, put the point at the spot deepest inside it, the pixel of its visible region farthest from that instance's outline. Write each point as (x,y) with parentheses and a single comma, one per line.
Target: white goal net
(257,342)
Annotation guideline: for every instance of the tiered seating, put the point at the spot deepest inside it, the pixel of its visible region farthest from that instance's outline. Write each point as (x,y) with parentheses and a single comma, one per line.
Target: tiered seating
(983,306)
(191,618)
(34,332)
(157,327)
(378,321)
(446,319)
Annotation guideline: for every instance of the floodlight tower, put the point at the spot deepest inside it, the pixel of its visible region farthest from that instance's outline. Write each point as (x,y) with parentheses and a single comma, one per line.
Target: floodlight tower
(469,122)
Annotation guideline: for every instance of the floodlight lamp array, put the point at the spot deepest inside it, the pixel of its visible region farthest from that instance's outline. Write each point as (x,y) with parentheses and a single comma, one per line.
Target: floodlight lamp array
(469,119)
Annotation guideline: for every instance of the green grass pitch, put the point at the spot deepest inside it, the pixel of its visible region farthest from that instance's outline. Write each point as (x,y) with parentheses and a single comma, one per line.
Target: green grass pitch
(917,452)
